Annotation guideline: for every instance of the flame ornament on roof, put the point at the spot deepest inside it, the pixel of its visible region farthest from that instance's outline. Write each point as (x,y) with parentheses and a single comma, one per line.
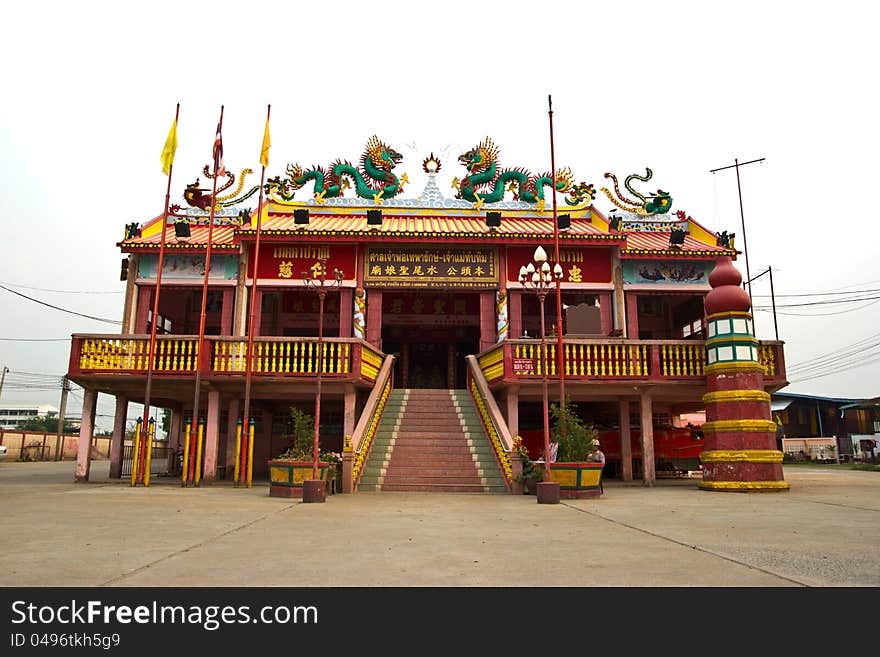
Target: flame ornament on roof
(374,179)
(486,183)
(659,203)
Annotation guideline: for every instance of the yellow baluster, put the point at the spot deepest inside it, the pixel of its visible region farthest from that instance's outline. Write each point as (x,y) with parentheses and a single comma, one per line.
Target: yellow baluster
(601,360)
(616,360)
(677,360)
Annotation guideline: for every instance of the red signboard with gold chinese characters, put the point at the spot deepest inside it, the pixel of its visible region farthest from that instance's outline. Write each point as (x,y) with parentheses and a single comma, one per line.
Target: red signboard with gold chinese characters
(431,266)
(579,265)
(289,261)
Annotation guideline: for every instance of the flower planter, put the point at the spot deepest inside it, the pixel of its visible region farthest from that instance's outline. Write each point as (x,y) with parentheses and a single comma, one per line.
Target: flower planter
(286,477)
(577,479)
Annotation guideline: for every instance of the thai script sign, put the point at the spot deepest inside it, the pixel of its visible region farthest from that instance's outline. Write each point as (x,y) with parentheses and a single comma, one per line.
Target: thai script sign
(431,266)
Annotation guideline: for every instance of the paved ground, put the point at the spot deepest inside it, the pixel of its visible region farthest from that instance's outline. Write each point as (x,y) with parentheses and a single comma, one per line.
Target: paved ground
(824,532)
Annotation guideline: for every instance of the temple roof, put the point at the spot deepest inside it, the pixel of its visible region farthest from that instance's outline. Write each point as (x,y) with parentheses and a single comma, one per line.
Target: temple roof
(430,217)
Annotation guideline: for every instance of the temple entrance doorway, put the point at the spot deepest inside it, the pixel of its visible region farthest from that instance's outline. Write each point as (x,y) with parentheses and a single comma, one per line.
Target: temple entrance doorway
(430,332)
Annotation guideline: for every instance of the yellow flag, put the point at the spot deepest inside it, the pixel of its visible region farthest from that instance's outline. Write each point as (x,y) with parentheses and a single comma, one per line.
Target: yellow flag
(169,148)
(264,151)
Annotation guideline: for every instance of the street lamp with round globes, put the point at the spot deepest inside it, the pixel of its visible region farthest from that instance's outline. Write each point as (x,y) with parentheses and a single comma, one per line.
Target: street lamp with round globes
(539,277)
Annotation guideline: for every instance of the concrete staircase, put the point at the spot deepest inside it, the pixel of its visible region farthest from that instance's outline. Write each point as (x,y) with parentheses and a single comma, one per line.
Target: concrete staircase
(431,440)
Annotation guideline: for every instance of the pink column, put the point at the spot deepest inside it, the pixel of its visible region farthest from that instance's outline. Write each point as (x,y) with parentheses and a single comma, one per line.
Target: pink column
(374,318)
(349,417)
(116,442)
(648,474)
(346,310)
(86,429)
(626,464)
(174,438)
(212,436)
(605,315)
(487,319)
(511,399)
(514,312)
(231,427)
(226,311)
(258,317)
(142,314)
(632,317)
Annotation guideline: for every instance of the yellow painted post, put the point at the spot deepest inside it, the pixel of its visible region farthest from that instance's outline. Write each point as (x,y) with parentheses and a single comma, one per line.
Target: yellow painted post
(149,458)
(186,436)
(197,476)
(250,457)
(237,450)
(134,458)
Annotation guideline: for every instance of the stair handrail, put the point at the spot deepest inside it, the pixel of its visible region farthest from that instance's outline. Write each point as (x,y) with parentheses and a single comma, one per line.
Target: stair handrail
(356,448)
(493,420)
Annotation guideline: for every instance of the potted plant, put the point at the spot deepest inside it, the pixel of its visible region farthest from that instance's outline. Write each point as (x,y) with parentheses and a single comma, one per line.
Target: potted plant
(293,466)
(579,463)
(531,473)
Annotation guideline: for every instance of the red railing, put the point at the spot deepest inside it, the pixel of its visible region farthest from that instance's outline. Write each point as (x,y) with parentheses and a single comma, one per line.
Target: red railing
(613,359)
(347,358)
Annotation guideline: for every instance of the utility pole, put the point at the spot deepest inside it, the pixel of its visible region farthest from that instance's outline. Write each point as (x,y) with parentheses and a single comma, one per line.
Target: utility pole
(59,439)
(3,378)
(737,164)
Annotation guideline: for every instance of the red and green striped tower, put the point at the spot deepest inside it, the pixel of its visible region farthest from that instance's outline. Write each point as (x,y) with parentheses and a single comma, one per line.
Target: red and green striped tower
(740,453)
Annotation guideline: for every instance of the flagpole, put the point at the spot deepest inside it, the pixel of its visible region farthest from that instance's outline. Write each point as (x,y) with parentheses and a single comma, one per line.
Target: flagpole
(152,350)
(264,160)
(560,356)
(203,316)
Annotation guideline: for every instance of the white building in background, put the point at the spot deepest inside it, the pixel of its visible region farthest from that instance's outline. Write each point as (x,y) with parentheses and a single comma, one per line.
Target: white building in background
(11,415)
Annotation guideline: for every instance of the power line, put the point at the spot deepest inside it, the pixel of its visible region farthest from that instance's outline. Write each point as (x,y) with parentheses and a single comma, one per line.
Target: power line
(819,294)
(65,310)
(807,314)
(43,289)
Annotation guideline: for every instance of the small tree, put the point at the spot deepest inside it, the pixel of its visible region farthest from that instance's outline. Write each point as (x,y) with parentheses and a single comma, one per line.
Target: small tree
(302,436)
(580,438)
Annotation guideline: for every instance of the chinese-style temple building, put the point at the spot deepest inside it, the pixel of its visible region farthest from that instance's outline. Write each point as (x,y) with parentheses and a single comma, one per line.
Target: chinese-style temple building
(427,313)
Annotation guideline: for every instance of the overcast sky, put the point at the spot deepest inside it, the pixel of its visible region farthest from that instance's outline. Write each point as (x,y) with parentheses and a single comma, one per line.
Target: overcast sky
(681,87)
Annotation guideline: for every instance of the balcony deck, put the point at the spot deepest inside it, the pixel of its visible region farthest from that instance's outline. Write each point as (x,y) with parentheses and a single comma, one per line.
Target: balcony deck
(106,361)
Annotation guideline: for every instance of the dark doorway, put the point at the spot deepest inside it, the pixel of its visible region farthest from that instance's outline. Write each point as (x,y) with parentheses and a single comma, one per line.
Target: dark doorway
(430,332)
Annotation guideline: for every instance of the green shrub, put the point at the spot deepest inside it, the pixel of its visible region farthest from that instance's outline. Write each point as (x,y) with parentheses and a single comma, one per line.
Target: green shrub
(581,438)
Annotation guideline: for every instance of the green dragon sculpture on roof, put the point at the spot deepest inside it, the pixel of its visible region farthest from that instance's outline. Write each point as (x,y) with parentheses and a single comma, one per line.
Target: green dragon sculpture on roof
(486,183)
(659,203)
(374,179)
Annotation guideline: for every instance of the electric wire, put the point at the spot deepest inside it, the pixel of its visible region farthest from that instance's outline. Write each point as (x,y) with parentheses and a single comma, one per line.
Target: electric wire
(43,289)
(72,312)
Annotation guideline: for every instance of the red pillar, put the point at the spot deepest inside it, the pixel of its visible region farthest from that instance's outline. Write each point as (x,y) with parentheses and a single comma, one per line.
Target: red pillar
(649,476)
(605,315)
(227,310)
